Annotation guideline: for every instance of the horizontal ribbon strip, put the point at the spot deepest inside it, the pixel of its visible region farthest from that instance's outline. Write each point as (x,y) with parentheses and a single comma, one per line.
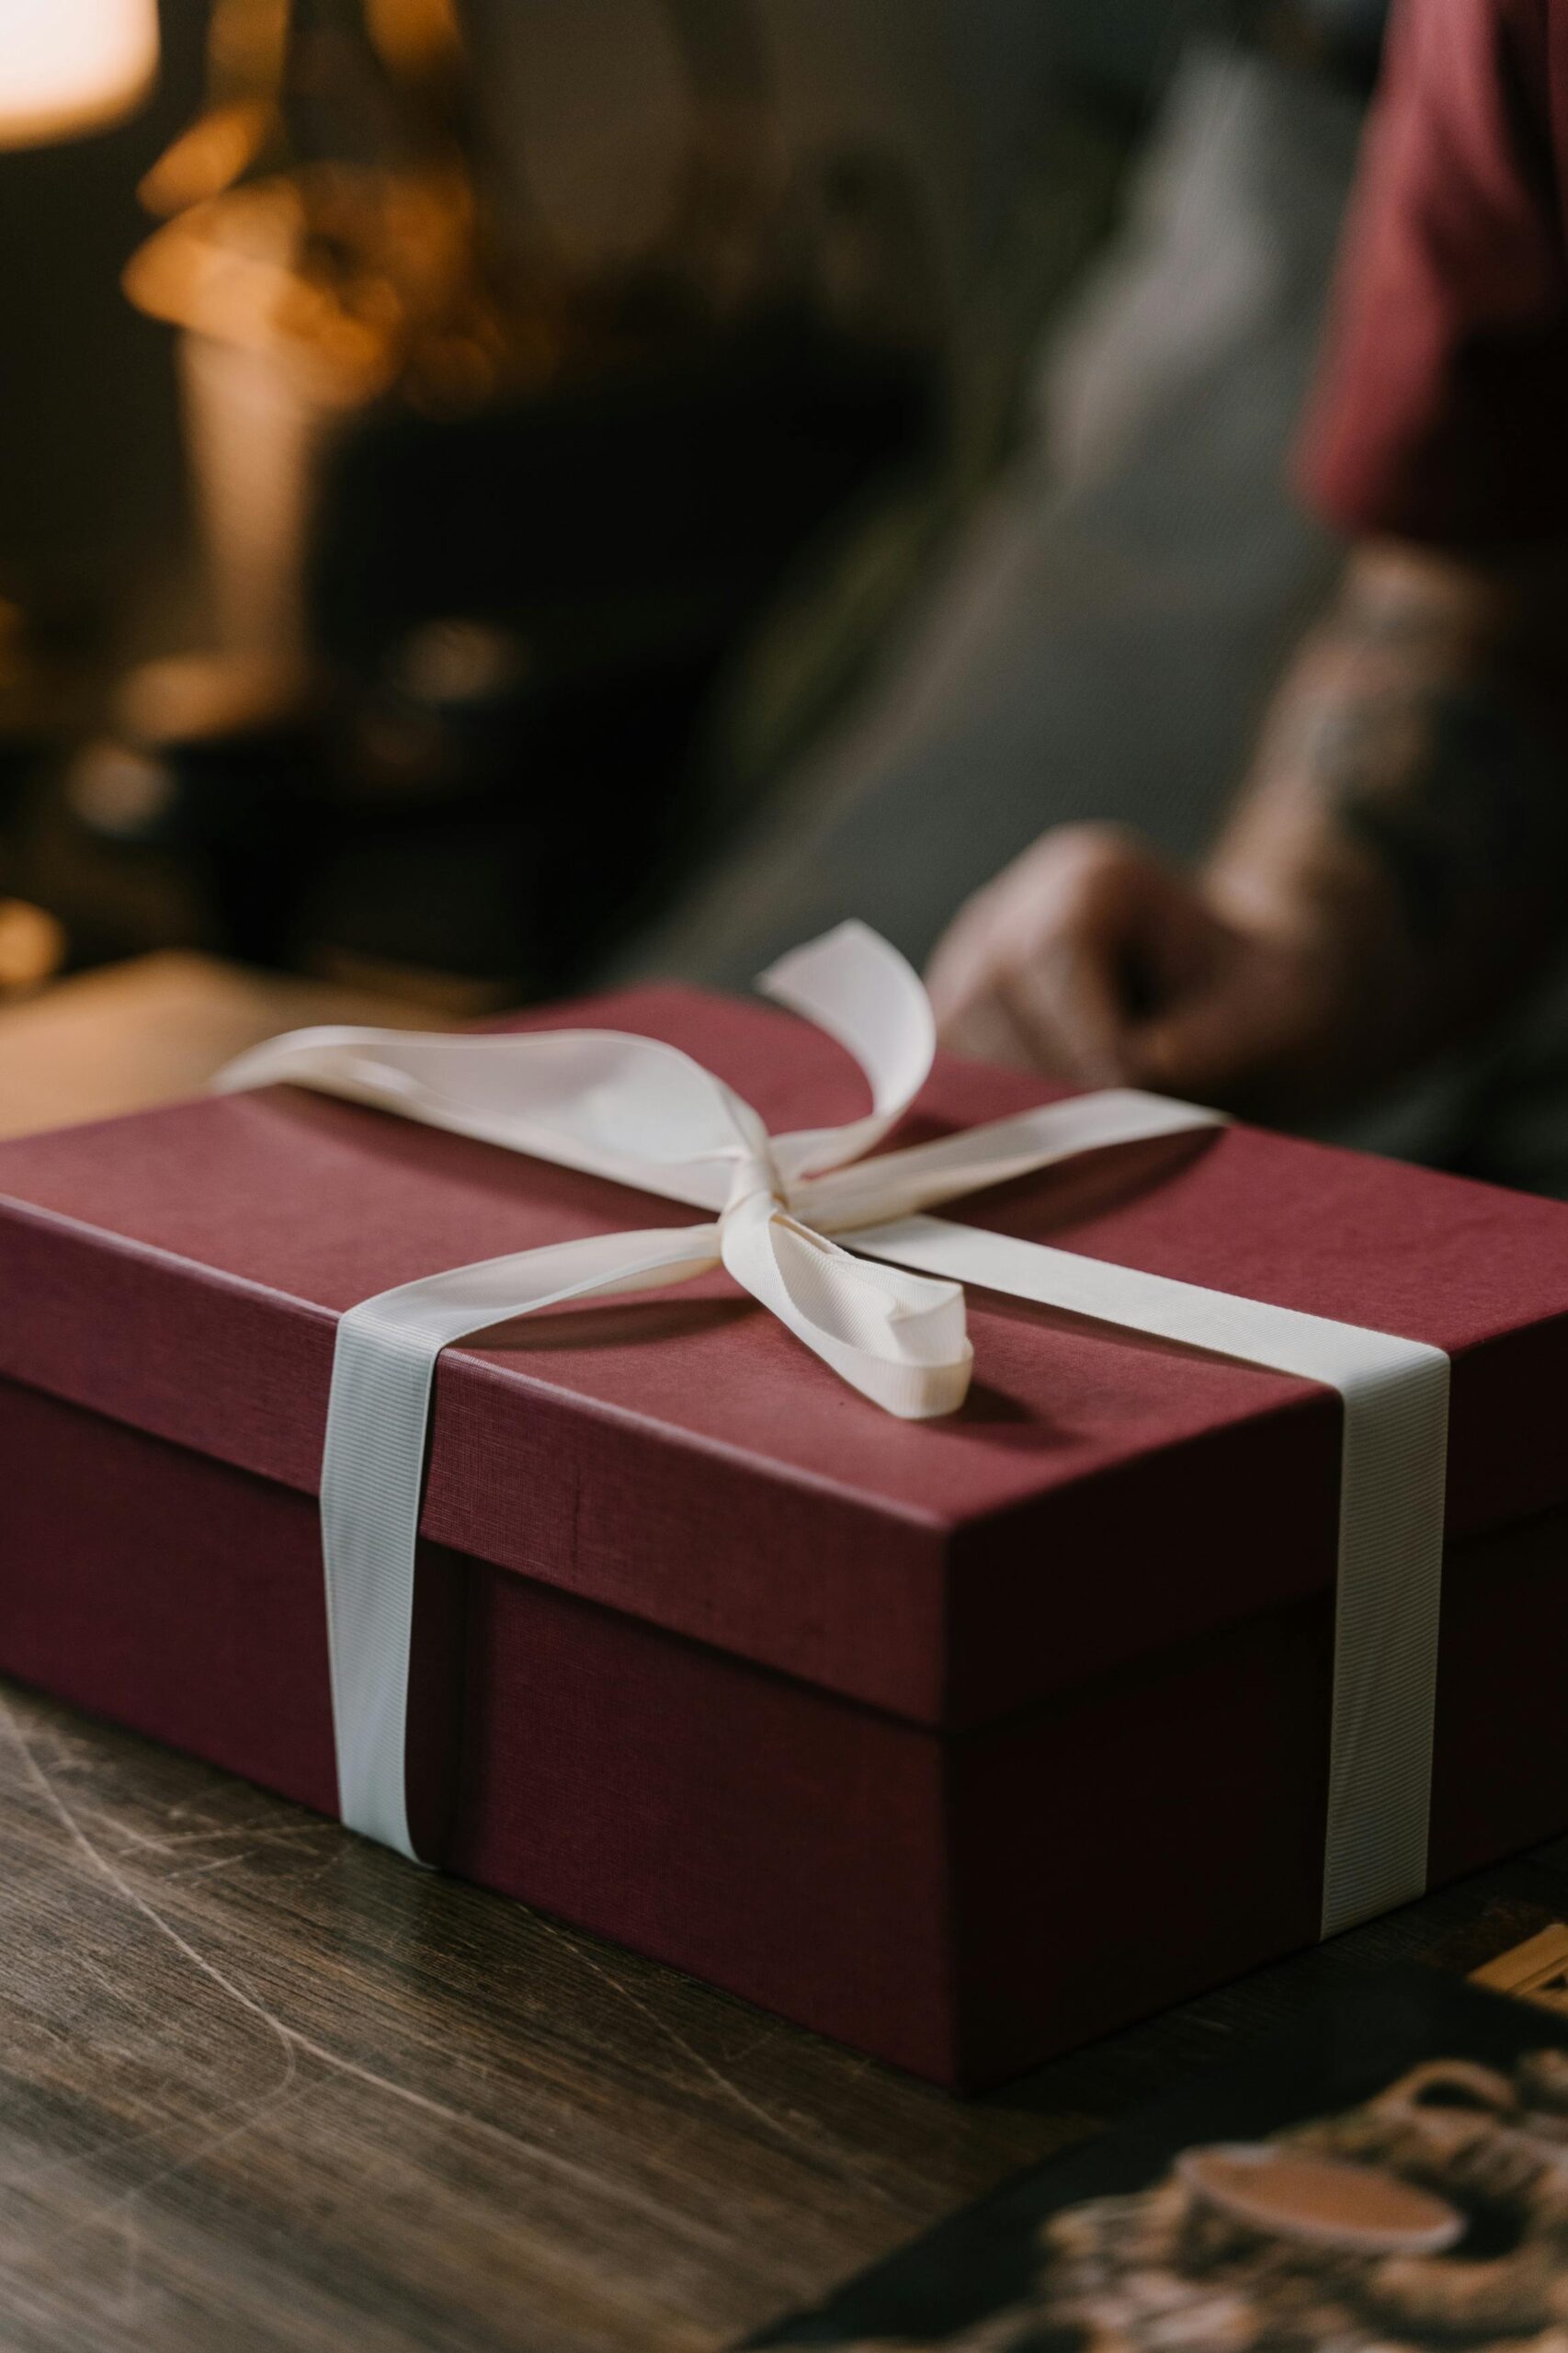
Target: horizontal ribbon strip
(887,1316)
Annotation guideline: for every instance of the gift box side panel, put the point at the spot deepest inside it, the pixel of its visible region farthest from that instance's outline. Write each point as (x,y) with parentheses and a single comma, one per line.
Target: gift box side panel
(1131,1844)
(780,1842)
(1500,1774)
(860,1875)
(1161,1829)
(166,1591)
(961,1907)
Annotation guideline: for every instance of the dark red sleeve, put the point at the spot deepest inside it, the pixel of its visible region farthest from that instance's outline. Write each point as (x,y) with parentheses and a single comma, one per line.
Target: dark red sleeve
(1441,409)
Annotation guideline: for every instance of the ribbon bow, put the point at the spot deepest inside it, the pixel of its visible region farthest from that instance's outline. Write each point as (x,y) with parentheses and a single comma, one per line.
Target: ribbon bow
(647,1115)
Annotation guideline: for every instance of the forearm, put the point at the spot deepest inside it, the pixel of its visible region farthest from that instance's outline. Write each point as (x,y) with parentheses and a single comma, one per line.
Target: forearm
(1407,818)
(1397,865)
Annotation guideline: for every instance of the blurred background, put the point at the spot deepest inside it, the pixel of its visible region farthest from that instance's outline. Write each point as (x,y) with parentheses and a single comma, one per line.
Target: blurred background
(497,496)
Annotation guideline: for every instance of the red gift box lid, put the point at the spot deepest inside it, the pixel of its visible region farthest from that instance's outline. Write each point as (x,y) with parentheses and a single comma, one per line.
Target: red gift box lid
(681,1458)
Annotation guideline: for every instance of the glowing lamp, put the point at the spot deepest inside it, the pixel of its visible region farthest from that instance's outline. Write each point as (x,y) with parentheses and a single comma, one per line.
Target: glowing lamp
(68,66)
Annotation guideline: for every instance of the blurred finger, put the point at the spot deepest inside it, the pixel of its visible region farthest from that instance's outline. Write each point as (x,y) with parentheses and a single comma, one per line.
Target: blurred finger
(961,965)
(1218,1040)
(1067,1001)
(984,1029)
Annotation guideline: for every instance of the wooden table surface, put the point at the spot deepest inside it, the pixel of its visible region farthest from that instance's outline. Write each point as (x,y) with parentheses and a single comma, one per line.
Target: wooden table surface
(264,2089)
(262,2085)
(143,1032)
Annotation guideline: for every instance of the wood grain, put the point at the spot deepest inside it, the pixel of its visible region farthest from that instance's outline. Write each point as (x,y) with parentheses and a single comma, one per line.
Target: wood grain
(263,2085)
(132,1034)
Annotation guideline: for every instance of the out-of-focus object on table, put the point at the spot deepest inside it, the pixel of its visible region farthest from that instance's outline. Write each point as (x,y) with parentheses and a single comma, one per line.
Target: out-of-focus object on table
(149,1032)
(32,947)
(1535,1970)
(69,66)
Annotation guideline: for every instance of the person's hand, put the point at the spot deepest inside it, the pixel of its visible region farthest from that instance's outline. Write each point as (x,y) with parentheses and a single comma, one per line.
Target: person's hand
(1091,960)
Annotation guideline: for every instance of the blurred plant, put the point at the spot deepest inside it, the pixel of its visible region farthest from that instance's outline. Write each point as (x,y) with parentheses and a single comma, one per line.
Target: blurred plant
(327,208)
(323,209)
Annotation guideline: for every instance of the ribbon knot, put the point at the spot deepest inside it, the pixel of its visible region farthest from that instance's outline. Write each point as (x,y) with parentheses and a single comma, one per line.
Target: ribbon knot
(755,1177)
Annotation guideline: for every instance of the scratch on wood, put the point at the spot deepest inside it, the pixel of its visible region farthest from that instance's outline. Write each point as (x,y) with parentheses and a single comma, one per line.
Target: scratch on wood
(215,1863)
(263,1834)
(296,2044)
(774,2124)
(130,2285)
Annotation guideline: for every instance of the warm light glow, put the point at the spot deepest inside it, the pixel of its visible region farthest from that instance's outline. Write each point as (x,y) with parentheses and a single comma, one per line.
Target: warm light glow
(73,65)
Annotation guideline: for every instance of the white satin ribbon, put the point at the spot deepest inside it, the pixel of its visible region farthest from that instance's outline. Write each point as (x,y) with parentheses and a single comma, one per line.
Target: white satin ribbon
(647,1116)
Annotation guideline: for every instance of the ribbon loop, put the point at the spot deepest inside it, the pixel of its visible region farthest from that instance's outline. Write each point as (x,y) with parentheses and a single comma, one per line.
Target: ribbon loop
(613,1104)
(897,1337)
(854,985)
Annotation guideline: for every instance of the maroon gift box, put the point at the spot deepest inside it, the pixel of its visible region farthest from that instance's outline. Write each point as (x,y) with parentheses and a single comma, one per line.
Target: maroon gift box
(961,1741)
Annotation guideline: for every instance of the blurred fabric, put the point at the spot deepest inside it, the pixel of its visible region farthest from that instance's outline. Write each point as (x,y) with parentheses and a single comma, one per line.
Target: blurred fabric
(1102,634)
